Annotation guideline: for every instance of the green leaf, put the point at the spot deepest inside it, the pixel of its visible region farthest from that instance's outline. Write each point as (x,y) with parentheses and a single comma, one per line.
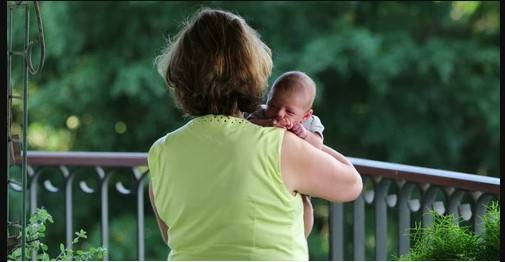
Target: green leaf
(15,254)
(81,234)
(42,228)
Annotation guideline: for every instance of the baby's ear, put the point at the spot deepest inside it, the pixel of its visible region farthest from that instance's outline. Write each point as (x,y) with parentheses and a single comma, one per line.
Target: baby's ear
(308,114)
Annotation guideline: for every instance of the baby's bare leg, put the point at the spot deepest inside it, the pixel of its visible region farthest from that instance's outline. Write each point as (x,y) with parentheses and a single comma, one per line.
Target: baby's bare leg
(308,215)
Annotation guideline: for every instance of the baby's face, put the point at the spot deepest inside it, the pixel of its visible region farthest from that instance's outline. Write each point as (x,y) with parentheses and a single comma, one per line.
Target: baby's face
(290,105)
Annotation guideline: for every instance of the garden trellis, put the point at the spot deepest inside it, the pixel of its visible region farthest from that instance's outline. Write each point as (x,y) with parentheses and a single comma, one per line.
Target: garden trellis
(17,145)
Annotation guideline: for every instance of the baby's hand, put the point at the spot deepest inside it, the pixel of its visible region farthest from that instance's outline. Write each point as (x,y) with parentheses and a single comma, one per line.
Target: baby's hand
(283,123)
(299,130)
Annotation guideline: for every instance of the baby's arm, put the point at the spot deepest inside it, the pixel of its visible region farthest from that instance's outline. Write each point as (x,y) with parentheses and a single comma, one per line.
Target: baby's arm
(336,155)
(314,139)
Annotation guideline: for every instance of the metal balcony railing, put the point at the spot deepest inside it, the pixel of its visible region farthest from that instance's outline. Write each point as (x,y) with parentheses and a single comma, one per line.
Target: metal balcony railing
(391,189)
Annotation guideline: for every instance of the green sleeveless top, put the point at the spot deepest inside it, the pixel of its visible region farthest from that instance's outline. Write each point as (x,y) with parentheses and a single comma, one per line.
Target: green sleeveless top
(218,187)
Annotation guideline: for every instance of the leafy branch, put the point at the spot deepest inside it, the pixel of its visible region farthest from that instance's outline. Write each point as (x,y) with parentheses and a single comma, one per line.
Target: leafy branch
(35,231)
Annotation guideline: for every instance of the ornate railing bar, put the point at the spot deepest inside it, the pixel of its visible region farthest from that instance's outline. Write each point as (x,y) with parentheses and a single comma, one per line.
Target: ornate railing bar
(391,195)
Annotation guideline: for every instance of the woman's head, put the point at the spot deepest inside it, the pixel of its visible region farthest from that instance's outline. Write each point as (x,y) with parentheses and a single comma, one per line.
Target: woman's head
(216,64)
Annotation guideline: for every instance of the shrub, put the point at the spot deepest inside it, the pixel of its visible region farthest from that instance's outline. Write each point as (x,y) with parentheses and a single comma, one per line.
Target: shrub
(446,240)
(490,237)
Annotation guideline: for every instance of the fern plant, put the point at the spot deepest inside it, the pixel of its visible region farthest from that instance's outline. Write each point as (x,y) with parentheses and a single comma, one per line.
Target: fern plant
(490,237)
(446,240)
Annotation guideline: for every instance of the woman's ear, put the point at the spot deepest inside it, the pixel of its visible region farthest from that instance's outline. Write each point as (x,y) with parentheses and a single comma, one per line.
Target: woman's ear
(308,114)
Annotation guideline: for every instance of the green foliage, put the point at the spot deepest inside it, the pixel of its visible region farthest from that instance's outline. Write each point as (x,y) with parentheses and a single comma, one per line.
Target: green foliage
(423,92)
(35,231)
(446,240)
(413,83)
(490,237)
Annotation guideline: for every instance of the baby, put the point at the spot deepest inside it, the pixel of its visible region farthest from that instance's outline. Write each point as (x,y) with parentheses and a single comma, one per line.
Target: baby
(289,105)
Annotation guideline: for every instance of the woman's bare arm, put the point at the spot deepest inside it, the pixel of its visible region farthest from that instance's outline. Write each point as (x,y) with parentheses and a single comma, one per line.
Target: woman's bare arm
(308,170)
(163,227)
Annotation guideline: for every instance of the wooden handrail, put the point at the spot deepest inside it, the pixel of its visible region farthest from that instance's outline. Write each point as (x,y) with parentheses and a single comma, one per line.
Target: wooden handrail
(45,158)
(432,176)
(365,167)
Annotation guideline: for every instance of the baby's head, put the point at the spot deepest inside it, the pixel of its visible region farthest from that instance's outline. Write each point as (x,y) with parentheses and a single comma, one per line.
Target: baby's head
(291,97)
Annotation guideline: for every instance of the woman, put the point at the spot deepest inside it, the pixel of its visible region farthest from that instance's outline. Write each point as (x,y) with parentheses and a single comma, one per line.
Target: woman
(221,187)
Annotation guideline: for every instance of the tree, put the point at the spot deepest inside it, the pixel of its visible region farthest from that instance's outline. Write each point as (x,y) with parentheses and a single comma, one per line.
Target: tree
(413,83)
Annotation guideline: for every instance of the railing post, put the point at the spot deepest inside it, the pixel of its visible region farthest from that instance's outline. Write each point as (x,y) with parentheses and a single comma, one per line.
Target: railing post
(33,197)
(359,228)
(33,190)
(68,209)
(454,203)
(104,209)
(481,206)
(404,219)
(140,218)
(428,199)
(336,231)
(381,225)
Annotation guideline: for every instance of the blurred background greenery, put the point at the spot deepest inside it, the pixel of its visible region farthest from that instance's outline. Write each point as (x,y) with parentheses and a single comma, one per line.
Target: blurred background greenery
(407,82)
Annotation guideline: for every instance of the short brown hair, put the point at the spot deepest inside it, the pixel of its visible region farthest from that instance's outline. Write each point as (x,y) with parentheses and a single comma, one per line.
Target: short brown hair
(217,64)
(293,81)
